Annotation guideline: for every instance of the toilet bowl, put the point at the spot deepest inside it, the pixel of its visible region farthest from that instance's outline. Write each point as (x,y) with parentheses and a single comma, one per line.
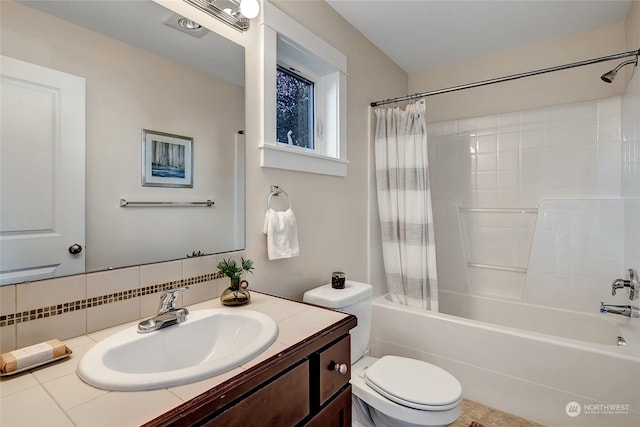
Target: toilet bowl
(420,402)
(390,391)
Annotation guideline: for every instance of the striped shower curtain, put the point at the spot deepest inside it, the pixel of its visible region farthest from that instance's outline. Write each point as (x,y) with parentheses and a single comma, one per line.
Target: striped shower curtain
(404,203)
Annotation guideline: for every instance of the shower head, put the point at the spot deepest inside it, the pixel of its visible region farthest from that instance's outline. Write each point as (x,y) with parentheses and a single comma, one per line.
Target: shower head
(610,75)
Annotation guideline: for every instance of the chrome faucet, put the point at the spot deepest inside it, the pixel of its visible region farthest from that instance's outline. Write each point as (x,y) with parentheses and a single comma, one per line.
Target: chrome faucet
(167,315)
(623,310)
(632,284)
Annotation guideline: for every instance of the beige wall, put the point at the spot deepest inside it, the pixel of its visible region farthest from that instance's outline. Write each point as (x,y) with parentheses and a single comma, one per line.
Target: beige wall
(331,211)
(632,28)
(578,84)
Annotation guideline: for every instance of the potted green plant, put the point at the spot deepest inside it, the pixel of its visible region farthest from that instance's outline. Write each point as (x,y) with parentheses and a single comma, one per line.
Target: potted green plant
(237,293)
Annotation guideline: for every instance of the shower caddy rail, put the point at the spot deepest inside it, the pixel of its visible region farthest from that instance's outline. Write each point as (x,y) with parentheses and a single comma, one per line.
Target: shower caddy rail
(495,267)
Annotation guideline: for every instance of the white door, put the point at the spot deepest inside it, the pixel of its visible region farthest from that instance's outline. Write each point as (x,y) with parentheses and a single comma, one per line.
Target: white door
(42,172)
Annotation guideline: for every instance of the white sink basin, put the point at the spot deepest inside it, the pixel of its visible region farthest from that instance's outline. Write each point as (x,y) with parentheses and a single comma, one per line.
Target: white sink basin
(208,343)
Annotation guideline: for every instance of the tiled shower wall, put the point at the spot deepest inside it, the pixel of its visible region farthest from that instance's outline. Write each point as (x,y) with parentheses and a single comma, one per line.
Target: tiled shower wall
(631,170)
(70,306)
(528,205)
(516,160)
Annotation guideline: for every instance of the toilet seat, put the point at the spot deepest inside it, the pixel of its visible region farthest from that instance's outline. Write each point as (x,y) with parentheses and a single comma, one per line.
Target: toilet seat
(414,383)
(398,414)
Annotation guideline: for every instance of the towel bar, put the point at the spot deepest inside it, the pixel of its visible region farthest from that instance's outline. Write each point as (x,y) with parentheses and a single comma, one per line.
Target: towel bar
(126,204)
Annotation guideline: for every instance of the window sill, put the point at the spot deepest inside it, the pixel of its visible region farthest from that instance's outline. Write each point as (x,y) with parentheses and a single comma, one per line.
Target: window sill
(298,159)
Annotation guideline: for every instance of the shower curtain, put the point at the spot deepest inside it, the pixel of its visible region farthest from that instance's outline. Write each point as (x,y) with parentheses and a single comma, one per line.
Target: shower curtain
(404,203)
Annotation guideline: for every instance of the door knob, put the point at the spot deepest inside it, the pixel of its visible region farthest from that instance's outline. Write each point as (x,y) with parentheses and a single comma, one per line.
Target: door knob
(75,249)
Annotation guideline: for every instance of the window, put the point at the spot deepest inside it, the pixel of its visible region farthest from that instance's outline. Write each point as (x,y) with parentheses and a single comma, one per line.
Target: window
(305,88)
(294,109)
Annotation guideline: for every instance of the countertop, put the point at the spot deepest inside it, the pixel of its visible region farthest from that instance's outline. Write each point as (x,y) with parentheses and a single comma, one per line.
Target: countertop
(53,395)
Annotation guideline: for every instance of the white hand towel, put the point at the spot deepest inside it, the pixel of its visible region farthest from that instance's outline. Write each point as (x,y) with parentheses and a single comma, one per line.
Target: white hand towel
(282,234)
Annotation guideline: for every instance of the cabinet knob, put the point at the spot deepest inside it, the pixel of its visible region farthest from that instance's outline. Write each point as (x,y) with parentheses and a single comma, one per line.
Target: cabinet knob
(341,368)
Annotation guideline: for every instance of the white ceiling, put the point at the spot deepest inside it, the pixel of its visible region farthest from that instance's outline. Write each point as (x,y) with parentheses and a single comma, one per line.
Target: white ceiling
(421,34)
(152,27)
(416,34)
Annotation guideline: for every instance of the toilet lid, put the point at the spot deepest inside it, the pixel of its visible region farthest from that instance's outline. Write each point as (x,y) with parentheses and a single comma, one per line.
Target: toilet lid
(413,383)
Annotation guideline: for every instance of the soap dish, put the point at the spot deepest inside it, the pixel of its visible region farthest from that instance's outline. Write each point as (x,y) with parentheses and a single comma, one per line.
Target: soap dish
(27,368)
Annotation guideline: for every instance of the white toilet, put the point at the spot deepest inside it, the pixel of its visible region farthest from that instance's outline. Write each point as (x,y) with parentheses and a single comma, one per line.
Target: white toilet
(391,391)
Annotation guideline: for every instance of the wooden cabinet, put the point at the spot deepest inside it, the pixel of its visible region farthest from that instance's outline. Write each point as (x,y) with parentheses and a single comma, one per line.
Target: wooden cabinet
(334,368)
(297,387)
(336,414)
(282,402)
(330,389)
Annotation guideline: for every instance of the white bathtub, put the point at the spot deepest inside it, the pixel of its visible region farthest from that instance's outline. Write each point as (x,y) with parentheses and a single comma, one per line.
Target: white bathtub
(528,360)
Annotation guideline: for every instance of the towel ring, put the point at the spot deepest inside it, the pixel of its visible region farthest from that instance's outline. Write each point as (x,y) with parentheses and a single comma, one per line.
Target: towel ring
(276,191)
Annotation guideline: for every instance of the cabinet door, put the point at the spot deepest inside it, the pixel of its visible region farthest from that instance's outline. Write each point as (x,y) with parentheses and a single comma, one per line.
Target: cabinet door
(331,380)
(282,402)
(335,414)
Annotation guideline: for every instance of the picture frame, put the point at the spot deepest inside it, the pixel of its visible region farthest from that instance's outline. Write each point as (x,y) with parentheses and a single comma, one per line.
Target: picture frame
(167,160)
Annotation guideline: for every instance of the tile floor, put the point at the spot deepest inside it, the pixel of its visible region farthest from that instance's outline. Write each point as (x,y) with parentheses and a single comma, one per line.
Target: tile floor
(477,415)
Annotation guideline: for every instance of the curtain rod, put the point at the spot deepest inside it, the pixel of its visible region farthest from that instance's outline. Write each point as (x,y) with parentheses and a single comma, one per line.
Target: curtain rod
(635,53)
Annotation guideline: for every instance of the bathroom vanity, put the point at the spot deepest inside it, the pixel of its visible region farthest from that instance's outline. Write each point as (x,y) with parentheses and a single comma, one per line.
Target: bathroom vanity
(293,382)
(306,384)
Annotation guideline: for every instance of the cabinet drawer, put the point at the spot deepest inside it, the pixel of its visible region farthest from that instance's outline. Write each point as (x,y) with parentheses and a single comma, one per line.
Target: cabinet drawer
(335,414)
(282,402)
(331,380)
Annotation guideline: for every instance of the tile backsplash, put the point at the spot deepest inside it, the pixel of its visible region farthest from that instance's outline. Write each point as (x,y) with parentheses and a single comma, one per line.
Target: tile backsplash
(70,306)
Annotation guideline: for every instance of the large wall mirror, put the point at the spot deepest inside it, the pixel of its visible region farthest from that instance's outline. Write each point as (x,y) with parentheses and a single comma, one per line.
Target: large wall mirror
(142,70)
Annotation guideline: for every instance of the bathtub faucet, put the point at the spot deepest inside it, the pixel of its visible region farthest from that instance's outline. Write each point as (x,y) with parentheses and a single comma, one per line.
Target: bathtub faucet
(619,284)
(623,310)
(633,284)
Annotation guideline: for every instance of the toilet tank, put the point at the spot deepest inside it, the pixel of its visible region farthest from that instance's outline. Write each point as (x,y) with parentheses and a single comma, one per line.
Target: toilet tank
(354,299)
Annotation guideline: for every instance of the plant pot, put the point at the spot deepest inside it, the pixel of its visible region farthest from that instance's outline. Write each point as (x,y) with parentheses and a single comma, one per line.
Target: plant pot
(236,294)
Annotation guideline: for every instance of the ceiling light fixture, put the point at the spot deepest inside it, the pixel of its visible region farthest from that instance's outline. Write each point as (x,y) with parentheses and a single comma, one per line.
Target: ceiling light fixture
(235,13)
(189,24)
(185,25)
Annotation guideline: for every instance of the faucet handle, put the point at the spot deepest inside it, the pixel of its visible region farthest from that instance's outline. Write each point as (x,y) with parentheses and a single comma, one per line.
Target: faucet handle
(632,284)
(619,284)
(168,299)
(176,290)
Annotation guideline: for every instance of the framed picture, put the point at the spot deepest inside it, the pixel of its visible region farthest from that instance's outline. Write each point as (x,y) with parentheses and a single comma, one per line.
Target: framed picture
(167,160)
